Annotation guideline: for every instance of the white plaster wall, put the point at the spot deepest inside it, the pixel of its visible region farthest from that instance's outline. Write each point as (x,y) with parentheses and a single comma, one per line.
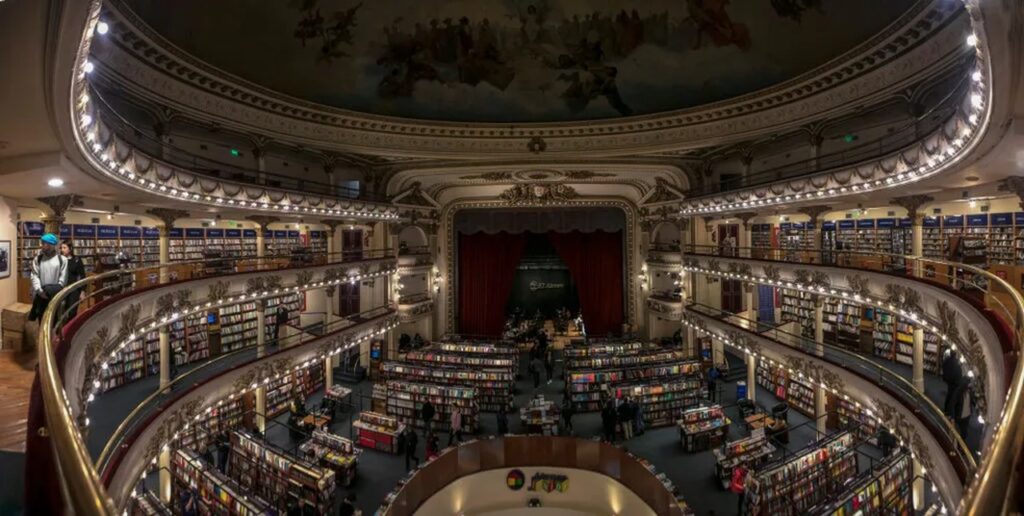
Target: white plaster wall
(486,493)
(9,232)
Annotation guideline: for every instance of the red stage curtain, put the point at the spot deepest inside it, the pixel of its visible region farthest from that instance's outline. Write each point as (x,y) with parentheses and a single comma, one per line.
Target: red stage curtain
(487,269)
(595,263)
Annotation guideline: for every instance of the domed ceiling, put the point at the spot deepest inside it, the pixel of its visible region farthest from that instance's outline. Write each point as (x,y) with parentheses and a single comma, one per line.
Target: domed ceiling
(514,61)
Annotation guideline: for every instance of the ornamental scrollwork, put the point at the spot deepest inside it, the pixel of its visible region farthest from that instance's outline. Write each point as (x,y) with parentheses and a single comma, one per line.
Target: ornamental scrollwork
(903,296)
(772,272)
(538,193)
(743,269)
(815,372)
(93,349)
(303,277)
(217,291)
(172,302)
(129,321)
(858,285)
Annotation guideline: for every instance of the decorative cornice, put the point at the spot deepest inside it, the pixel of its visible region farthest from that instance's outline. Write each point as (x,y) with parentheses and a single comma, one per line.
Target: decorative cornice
(814,212)
(59,204)
(1014,184)
(541,193)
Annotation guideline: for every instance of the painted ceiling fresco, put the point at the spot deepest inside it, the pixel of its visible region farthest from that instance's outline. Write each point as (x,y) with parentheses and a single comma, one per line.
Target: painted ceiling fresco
(517,61)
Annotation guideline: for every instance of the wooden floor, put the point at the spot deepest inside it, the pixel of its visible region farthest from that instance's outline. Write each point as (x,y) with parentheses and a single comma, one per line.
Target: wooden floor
(16,372)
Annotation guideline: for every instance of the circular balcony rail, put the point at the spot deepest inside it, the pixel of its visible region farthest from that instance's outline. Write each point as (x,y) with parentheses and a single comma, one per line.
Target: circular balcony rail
(78,478)
(993,489)
(914,401)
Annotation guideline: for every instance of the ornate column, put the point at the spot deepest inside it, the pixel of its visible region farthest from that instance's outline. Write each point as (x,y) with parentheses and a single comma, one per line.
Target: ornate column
(820,410)
(819,325)
(167,216)
(747,159)
(814,212)
(816,139)
(164,463)
(918,366)
(329,162)
(328,372)
(260,409)
(262,222)
(162,129)
(332,230)
(913,205)
(751,377)
(261,328)
(165,356)
(58,205)
(259,144)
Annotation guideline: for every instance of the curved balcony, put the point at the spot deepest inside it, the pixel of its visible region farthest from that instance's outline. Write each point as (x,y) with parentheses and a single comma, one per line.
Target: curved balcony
(885,396)
(665,305)
(414,307)
(111,145)
(993,309)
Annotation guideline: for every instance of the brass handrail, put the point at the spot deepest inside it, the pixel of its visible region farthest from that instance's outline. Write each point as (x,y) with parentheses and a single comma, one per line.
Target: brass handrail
(79,480)
(994,486)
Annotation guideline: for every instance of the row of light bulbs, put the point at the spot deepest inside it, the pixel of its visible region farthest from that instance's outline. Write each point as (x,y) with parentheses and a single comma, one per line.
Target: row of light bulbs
(241,298)
(977,101)
(121,172)
(919,319)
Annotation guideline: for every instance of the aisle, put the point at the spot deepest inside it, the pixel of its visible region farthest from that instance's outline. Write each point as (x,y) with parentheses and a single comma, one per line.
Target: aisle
(693,473)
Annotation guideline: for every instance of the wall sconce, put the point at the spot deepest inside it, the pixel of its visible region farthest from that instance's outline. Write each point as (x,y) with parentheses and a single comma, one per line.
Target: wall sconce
(644,280)
(437,280)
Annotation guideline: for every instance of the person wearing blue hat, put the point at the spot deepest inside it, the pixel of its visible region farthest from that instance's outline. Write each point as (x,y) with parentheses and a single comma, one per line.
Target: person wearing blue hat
(49,275)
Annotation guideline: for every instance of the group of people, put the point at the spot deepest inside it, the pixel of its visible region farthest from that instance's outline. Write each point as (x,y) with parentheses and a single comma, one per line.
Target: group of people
(541,357)
(409,440)
(53,269)
(406,343)
(626,413)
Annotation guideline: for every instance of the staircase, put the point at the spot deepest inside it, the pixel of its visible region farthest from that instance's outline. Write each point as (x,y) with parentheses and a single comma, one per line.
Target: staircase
(349,376)
(737,369)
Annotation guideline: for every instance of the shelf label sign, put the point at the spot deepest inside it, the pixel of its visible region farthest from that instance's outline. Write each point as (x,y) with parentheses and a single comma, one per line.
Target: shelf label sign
(33,229)
(886,223)
(1002,219)
(176,233)
(233,233)
(953,221)
(107,232)
(847,224)
(249,233)
(977,219)
(293,234)
(280,233)
(130,232)
(866,224)
(84,231)
(151,232)
(194,232)
(214,233)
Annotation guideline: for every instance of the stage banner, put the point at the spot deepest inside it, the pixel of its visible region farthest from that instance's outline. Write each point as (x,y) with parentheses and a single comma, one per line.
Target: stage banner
(545,289)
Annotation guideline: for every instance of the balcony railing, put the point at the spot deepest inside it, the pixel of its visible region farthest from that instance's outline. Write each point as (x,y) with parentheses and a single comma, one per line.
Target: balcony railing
(993,490)
(81,485)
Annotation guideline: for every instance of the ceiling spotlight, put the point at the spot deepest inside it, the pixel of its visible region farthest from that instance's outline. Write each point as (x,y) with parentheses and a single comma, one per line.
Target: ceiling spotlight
(102,28)
(976,76)
(972,40)
(88,67)
(56,182)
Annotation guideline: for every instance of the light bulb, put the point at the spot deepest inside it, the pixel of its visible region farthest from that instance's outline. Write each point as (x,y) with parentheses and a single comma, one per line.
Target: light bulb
(88,67)
(972,40)
(102,28)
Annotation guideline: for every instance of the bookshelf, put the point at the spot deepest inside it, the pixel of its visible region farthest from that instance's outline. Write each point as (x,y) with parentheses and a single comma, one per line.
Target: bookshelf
(302,382)
(176,244)
(279,477)
(864,240)
(842,320)
(976,239)
(952,226)
(403,400)
(883,335)
(226,416)
(903,237)
(218,494)
(150,246)
(378,431)
(318,242)
(798,306)
(436,356)
(884,489)
(249,247)
(478,349)
(794,484)
(1001,239)
(761,239)
(931,238)
(791,239)
(493,386)
(585,386)
(796,394)
(333,452)
(663,402)
(847,416)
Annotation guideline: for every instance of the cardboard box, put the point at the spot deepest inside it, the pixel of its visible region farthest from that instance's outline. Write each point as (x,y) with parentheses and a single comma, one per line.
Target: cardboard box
(12,341)
(14,317)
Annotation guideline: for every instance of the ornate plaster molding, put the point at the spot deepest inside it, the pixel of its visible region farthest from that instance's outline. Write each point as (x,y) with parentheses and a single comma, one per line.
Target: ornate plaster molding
(907,48)
(538,194)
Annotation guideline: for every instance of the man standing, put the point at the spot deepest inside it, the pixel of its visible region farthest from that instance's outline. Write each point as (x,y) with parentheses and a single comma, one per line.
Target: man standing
(567,412)
(427,413)
(535,366)
(713,375)
(952,376)
(280,320)
(411,440)
(49,275)
(549,364)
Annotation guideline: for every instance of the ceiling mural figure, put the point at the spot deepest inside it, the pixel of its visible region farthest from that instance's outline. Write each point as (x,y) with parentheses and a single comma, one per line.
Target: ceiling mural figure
(518,60)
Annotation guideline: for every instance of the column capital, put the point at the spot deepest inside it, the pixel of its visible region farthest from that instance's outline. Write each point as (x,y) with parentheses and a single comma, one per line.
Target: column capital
(814,212)
(707,222)
(59,204)
(333,224)
(747,156)
(262,220)
(746,217)
(913,205)
(167,216)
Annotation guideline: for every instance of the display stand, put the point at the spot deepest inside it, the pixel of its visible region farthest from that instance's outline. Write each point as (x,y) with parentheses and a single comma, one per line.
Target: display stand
(378,431)
(749,451)
(540,416)
(334,452)
(702,428)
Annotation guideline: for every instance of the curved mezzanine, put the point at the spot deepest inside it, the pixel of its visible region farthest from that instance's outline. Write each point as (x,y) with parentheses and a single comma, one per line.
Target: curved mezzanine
(989,348)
